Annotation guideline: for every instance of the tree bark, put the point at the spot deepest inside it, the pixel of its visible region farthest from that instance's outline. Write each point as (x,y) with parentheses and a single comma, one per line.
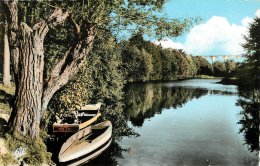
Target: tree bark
(32,96)
(6,62)
(12,20)
(28,100)
(26,113)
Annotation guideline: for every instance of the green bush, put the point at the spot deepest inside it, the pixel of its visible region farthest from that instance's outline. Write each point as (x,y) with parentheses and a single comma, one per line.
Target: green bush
(219,69)
(36,151)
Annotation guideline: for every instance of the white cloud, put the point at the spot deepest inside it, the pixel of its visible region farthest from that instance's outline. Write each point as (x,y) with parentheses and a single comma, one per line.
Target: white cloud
(168,43)
(216,35)
(257,13)
(247,20)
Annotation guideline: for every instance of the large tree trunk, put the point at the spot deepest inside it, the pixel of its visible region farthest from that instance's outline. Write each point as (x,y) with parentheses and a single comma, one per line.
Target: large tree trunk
(6,62)
(27,108)
(32,95)
(28,62)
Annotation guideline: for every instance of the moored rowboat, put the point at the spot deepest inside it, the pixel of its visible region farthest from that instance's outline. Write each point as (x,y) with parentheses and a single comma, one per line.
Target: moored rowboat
(86,141)
(85,117)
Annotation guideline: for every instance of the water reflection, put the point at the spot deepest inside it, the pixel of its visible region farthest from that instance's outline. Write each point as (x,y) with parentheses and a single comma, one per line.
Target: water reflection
(143,101)
(249,101)
(196,125)
(191,122)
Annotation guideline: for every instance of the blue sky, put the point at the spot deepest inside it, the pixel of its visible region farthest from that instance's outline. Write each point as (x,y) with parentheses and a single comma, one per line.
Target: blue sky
(220,32)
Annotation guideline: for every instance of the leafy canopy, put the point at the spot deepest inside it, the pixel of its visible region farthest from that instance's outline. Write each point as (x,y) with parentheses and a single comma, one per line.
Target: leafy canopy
(134,16)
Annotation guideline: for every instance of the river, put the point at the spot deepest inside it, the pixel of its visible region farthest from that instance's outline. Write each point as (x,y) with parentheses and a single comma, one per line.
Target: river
(193,122)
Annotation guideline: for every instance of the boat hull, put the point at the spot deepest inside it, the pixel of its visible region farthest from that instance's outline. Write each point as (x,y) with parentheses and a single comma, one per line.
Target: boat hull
(77,145)
(86,158)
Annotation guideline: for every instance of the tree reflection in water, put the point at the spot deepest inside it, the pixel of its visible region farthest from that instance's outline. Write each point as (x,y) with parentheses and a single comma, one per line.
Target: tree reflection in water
(143,101)
(249,101)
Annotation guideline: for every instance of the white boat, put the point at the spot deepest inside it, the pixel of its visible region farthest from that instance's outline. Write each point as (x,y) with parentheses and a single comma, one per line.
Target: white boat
(85,159)
(87,143)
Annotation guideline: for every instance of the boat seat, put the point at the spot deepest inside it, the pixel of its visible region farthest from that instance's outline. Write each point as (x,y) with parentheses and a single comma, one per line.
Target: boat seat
(80,134)
(89,141)
(87,114)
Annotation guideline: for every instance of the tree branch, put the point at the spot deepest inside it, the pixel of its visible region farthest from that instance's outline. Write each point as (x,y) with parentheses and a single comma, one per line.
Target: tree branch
(77,26)
(57,17)
(69,65)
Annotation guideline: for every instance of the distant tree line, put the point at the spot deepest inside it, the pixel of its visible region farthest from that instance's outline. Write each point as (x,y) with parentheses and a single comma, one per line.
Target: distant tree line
(144,61)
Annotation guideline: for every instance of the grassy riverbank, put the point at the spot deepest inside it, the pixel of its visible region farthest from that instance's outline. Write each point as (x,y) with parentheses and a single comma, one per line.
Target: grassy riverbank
(35,155)
(6,94)
(207,77)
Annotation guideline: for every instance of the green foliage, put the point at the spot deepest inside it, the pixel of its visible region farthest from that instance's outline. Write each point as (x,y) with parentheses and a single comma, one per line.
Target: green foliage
(252,46)
(169,65)
(219,69)
(116,15)
(36,152)
(59,40)
(203,66)
(108,76)
(230,66)
(186,66)
(145,61)
(138,63)
(192,68)
(244,74)
(156,61)
(99,80)
(6,96)
(7,160)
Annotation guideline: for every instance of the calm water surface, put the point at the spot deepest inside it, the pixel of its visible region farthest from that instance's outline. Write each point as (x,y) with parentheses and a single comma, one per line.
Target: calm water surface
(184,123)
(191,122)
